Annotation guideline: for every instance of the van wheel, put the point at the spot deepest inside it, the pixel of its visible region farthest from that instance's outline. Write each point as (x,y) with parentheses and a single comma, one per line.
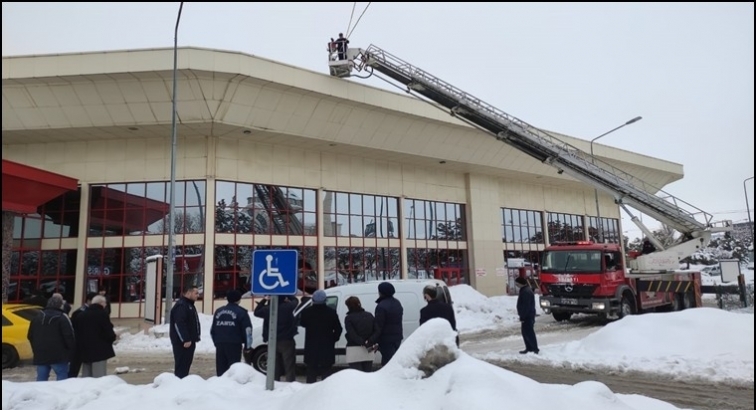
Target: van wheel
(10,356)
(260,360)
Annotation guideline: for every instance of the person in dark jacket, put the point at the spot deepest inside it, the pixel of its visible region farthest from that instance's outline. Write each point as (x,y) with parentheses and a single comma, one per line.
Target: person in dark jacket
(94,338)
(322,331)
(104,293)
(286,330)
(359,328)
(341,46)
(52,340)
(231,332)
(75,365)
(527,313)
(388,323)
(184,331)
(437,308)
(648,247)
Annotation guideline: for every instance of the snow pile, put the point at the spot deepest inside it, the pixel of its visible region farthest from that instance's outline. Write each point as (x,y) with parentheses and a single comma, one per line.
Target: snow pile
(700,343)
(156,338)
(462,384)
(475,312)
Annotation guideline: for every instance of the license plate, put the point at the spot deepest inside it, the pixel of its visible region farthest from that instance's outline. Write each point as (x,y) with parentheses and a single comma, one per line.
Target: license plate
(567,301)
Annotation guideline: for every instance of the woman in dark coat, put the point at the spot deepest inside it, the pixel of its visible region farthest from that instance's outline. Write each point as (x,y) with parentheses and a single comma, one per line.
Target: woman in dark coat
(359,329)
(322,331)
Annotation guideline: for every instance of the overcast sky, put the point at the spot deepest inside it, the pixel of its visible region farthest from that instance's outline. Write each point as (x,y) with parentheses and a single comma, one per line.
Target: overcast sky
(579,69)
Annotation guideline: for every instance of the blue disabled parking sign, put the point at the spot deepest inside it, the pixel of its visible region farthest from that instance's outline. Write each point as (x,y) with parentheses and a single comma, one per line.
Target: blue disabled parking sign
(274,272)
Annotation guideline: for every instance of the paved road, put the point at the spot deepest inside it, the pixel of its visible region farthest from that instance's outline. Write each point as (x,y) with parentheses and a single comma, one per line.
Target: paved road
(698,396)
(686,395)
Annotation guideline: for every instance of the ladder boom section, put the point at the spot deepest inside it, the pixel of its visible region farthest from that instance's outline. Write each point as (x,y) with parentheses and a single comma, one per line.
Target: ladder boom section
(540,145)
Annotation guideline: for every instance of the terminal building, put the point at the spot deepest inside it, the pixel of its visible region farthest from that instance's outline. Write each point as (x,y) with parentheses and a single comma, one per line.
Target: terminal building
(365,183)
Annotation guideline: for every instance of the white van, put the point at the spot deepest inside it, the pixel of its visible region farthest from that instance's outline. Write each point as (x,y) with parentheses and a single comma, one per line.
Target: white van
(408,292)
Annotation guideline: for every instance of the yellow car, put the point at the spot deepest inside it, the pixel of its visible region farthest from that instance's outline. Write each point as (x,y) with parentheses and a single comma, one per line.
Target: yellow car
(16,319)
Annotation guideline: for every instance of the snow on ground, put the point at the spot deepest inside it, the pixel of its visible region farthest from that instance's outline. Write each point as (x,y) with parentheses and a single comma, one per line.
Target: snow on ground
(156,338)
(475,311)
(465,383)
(702,343)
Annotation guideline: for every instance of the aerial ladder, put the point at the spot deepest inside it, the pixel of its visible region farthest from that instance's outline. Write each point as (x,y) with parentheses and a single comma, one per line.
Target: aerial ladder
(282,214)
(695,225)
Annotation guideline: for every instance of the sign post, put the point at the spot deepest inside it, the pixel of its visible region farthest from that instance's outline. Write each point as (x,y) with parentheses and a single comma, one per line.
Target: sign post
(274,273)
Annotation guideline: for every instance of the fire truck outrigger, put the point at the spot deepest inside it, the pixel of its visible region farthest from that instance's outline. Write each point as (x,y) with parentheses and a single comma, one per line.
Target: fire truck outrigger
(581,276)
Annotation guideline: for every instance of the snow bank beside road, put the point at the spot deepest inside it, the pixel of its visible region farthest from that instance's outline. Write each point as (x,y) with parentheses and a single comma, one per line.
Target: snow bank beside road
(156,338)
(465,383)
(701,343)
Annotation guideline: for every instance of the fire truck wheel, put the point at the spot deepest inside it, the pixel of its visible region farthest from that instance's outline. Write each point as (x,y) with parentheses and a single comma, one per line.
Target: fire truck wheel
(687,301)
(561,316)
(627,306)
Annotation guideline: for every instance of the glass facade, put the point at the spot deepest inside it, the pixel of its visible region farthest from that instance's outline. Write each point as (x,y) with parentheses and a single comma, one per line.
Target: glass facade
(565,227)
(360,215)
(609,228)
(244,208)
(435,220)
(522,226)
(435,233)
(127,222)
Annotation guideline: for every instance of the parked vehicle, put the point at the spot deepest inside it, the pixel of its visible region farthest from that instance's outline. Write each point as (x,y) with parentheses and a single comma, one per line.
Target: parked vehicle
(714,270)
(16,320)
(408,292)
(586,277)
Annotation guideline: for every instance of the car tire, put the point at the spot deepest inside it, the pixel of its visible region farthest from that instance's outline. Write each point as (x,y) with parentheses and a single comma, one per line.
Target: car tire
(260,359)
(10,356)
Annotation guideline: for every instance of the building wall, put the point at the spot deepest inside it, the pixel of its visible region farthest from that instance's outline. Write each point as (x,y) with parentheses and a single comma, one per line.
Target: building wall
(234,159)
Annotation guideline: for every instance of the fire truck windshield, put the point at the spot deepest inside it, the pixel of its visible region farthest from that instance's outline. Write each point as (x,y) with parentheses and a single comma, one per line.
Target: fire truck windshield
(571,261)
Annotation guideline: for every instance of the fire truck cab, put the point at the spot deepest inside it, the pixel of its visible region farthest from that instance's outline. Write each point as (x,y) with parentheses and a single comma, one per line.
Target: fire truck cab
(588,277)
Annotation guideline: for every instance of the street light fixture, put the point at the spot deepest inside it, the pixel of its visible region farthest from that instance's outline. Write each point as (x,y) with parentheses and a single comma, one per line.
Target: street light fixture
(595,190)
(172,209)
(748,208)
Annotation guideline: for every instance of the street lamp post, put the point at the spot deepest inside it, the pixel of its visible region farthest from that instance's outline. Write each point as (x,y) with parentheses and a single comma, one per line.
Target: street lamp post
(172,209)
(595,190)
(748,208)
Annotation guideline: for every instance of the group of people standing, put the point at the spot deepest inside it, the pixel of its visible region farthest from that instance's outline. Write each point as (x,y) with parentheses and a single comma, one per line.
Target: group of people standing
(84,342)
(67,346)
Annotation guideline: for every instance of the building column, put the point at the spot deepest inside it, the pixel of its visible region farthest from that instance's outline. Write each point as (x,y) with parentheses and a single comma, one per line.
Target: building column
(209,251)
(7,251)
(586,228)
(80,283)
(209,267)
(323,200)
(484,234)
(404,264)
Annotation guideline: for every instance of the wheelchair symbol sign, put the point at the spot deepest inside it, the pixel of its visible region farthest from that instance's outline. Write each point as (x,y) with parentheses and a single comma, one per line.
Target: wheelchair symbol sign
(274,272)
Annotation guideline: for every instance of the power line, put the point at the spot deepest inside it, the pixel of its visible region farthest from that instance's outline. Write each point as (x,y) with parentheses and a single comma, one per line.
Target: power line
(354,5)
(358,20)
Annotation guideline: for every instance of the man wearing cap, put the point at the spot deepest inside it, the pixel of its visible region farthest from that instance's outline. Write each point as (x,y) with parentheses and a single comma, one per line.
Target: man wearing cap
(322,331)
(231,329)
(527,312)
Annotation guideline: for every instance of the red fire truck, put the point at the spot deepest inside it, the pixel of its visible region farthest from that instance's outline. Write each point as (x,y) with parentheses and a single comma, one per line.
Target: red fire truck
(588,277)
(579,276)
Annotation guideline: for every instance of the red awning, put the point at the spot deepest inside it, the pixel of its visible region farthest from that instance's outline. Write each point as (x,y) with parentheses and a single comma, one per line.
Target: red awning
(123,211)
(25,188)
